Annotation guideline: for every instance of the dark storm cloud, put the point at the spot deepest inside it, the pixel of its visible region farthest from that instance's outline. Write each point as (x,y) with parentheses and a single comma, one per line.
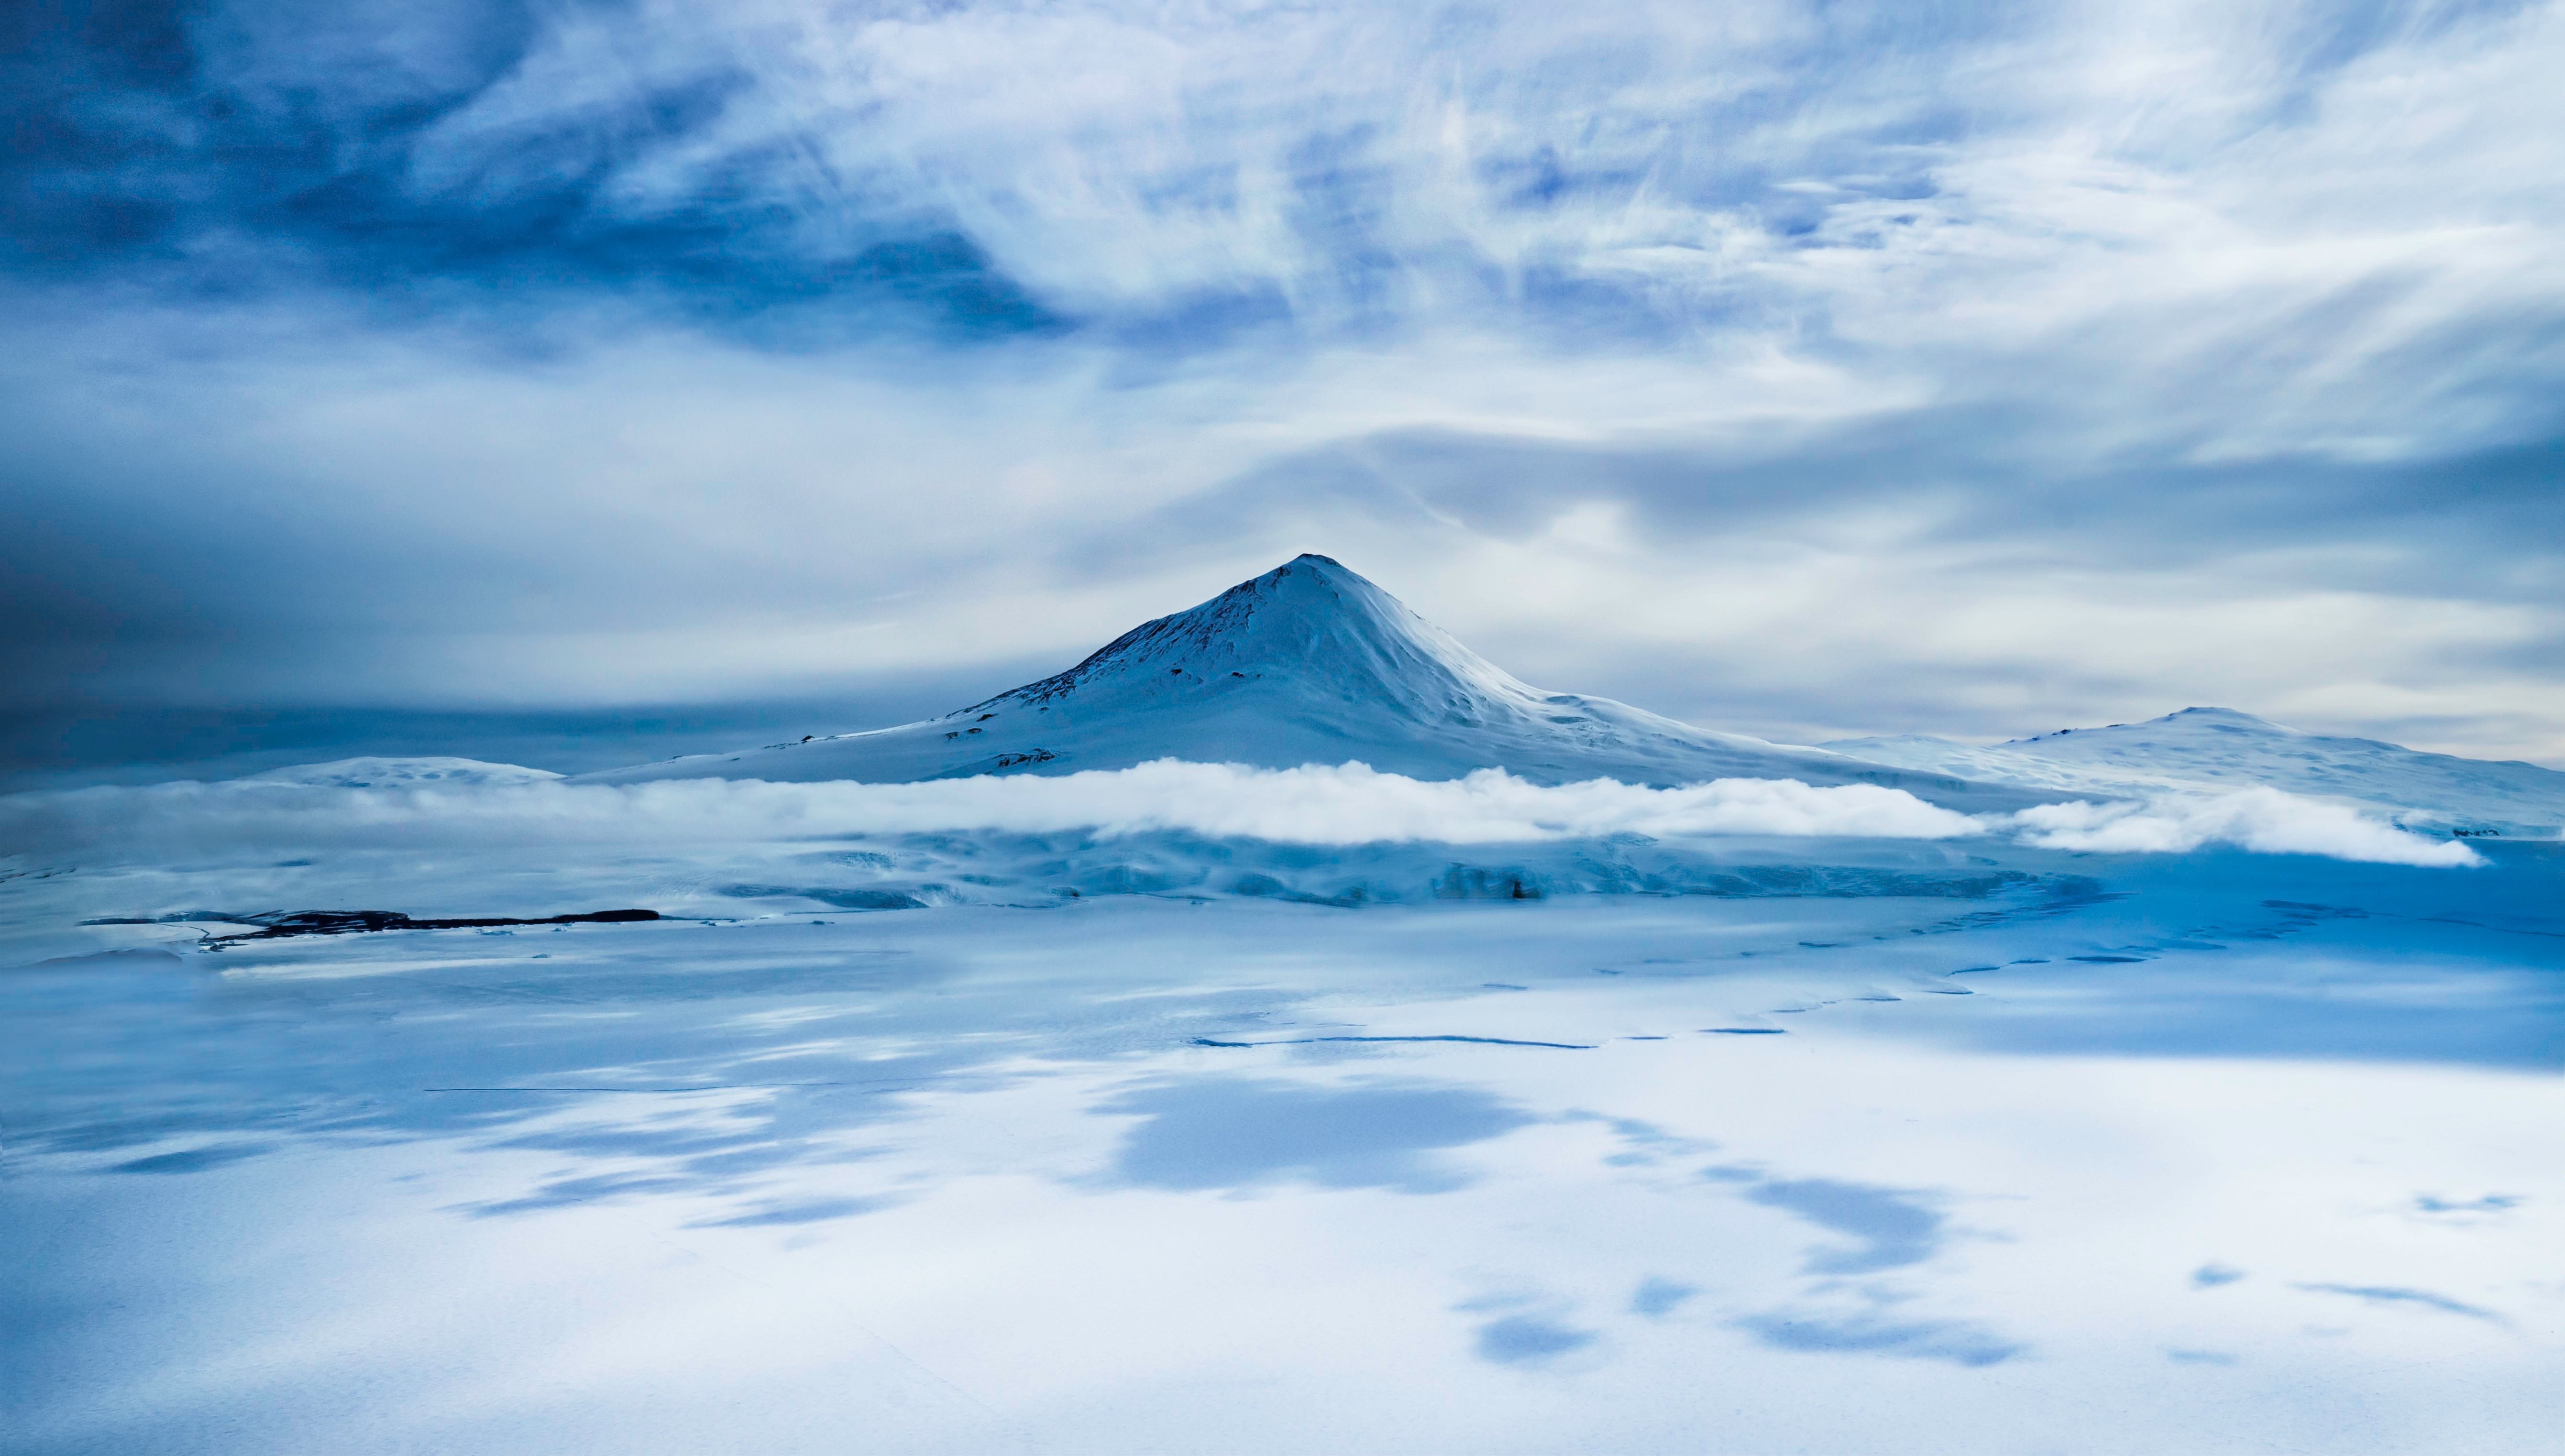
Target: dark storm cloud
(219,147)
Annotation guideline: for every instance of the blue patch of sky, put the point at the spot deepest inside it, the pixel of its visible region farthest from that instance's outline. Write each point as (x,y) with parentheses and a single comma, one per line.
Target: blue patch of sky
(1342,184)
(1568,305)
(1538,179)
(570,1193)
(191,1160)
(1158,341)
(787,1215)
(2332,38)
(2336,36)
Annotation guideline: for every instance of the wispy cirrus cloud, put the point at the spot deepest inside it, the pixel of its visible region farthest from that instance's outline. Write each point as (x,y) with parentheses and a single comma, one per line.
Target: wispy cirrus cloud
(1862,367)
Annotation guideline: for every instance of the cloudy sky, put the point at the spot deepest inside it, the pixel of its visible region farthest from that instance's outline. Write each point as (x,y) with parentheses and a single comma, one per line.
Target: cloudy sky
(1805,370)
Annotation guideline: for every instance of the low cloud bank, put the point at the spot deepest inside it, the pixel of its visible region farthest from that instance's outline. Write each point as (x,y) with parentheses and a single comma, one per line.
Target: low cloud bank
(1318,805)
(2263,820)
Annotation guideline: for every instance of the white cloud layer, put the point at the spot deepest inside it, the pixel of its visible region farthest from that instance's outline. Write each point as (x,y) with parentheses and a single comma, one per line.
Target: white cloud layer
(2263,820)
(1347,804)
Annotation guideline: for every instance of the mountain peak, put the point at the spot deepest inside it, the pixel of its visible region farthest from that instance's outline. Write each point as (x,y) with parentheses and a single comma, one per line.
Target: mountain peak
(1311,620)
(1308,663)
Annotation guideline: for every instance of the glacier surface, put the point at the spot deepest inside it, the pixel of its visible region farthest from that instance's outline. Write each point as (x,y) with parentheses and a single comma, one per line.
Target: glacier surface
(1795,1145)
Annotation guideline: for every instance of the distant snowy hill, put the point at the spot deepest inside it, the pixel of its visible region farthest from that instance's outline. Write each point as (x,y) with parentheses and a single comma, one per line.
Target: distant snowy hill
(2221,749)
(1310,663)
(402,773)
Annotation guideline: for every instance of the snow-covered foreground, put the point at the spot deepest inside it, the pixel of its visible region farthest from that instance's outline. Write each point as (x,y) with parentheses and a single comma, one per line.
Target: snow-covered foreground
(1861,1145)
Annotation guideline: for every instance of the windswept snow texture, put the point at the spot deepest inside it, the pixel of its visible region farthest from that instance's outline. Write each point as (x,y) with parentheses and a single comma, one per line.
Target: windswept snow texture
(2221,749)
(1923,1148)
(402,773)
(1310,663)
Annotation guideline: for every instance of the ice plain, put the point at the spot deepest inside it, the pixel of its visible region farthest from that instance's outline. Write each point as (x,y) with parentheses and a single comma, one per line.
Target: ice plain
(2253,1152)
(1496,1121)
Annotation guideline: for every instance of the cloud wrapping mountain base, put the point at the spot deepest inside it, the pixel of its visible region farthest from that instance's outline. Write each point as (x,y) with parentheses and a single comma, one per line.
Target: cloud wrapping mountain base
(2263,820)
(1345,805)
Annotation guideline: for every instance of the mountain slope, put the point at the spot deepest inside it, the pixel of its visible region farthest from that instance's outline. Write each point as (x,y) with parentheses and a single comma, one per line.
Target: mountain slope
(1310,663)
(2220,748)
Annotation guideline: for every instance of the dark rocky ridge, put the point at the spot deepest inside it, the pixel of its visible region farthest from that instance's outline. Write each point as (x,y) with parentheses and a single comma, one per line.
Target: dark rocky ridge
(276,924)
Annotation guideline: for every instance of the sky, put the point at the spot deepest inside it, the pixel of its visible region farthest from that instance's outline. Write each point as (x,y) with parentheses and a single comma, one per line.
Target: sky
(569,382)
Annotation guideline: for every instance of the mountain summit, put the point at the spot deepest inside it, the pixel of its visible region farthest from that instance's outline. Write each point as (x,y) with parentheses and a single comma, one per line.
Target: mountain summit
(1310,663)
(1309,620)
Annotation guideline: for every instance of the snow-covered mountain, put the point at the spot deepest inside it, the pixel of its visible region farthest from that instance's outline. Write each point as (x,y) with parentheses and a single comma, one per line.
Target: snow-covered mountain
(2222,748)
(1310,663)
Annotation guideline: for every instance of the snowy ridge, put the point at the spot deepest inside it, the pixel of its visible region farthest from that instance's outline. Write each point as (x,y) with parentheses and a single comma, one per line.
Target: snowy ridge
(1310,663)
(2220,748)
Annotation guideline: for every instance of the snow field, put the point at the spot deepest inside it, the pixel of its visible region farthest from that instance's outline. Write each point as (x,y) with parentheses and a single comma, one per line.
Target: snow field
(970,1180)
